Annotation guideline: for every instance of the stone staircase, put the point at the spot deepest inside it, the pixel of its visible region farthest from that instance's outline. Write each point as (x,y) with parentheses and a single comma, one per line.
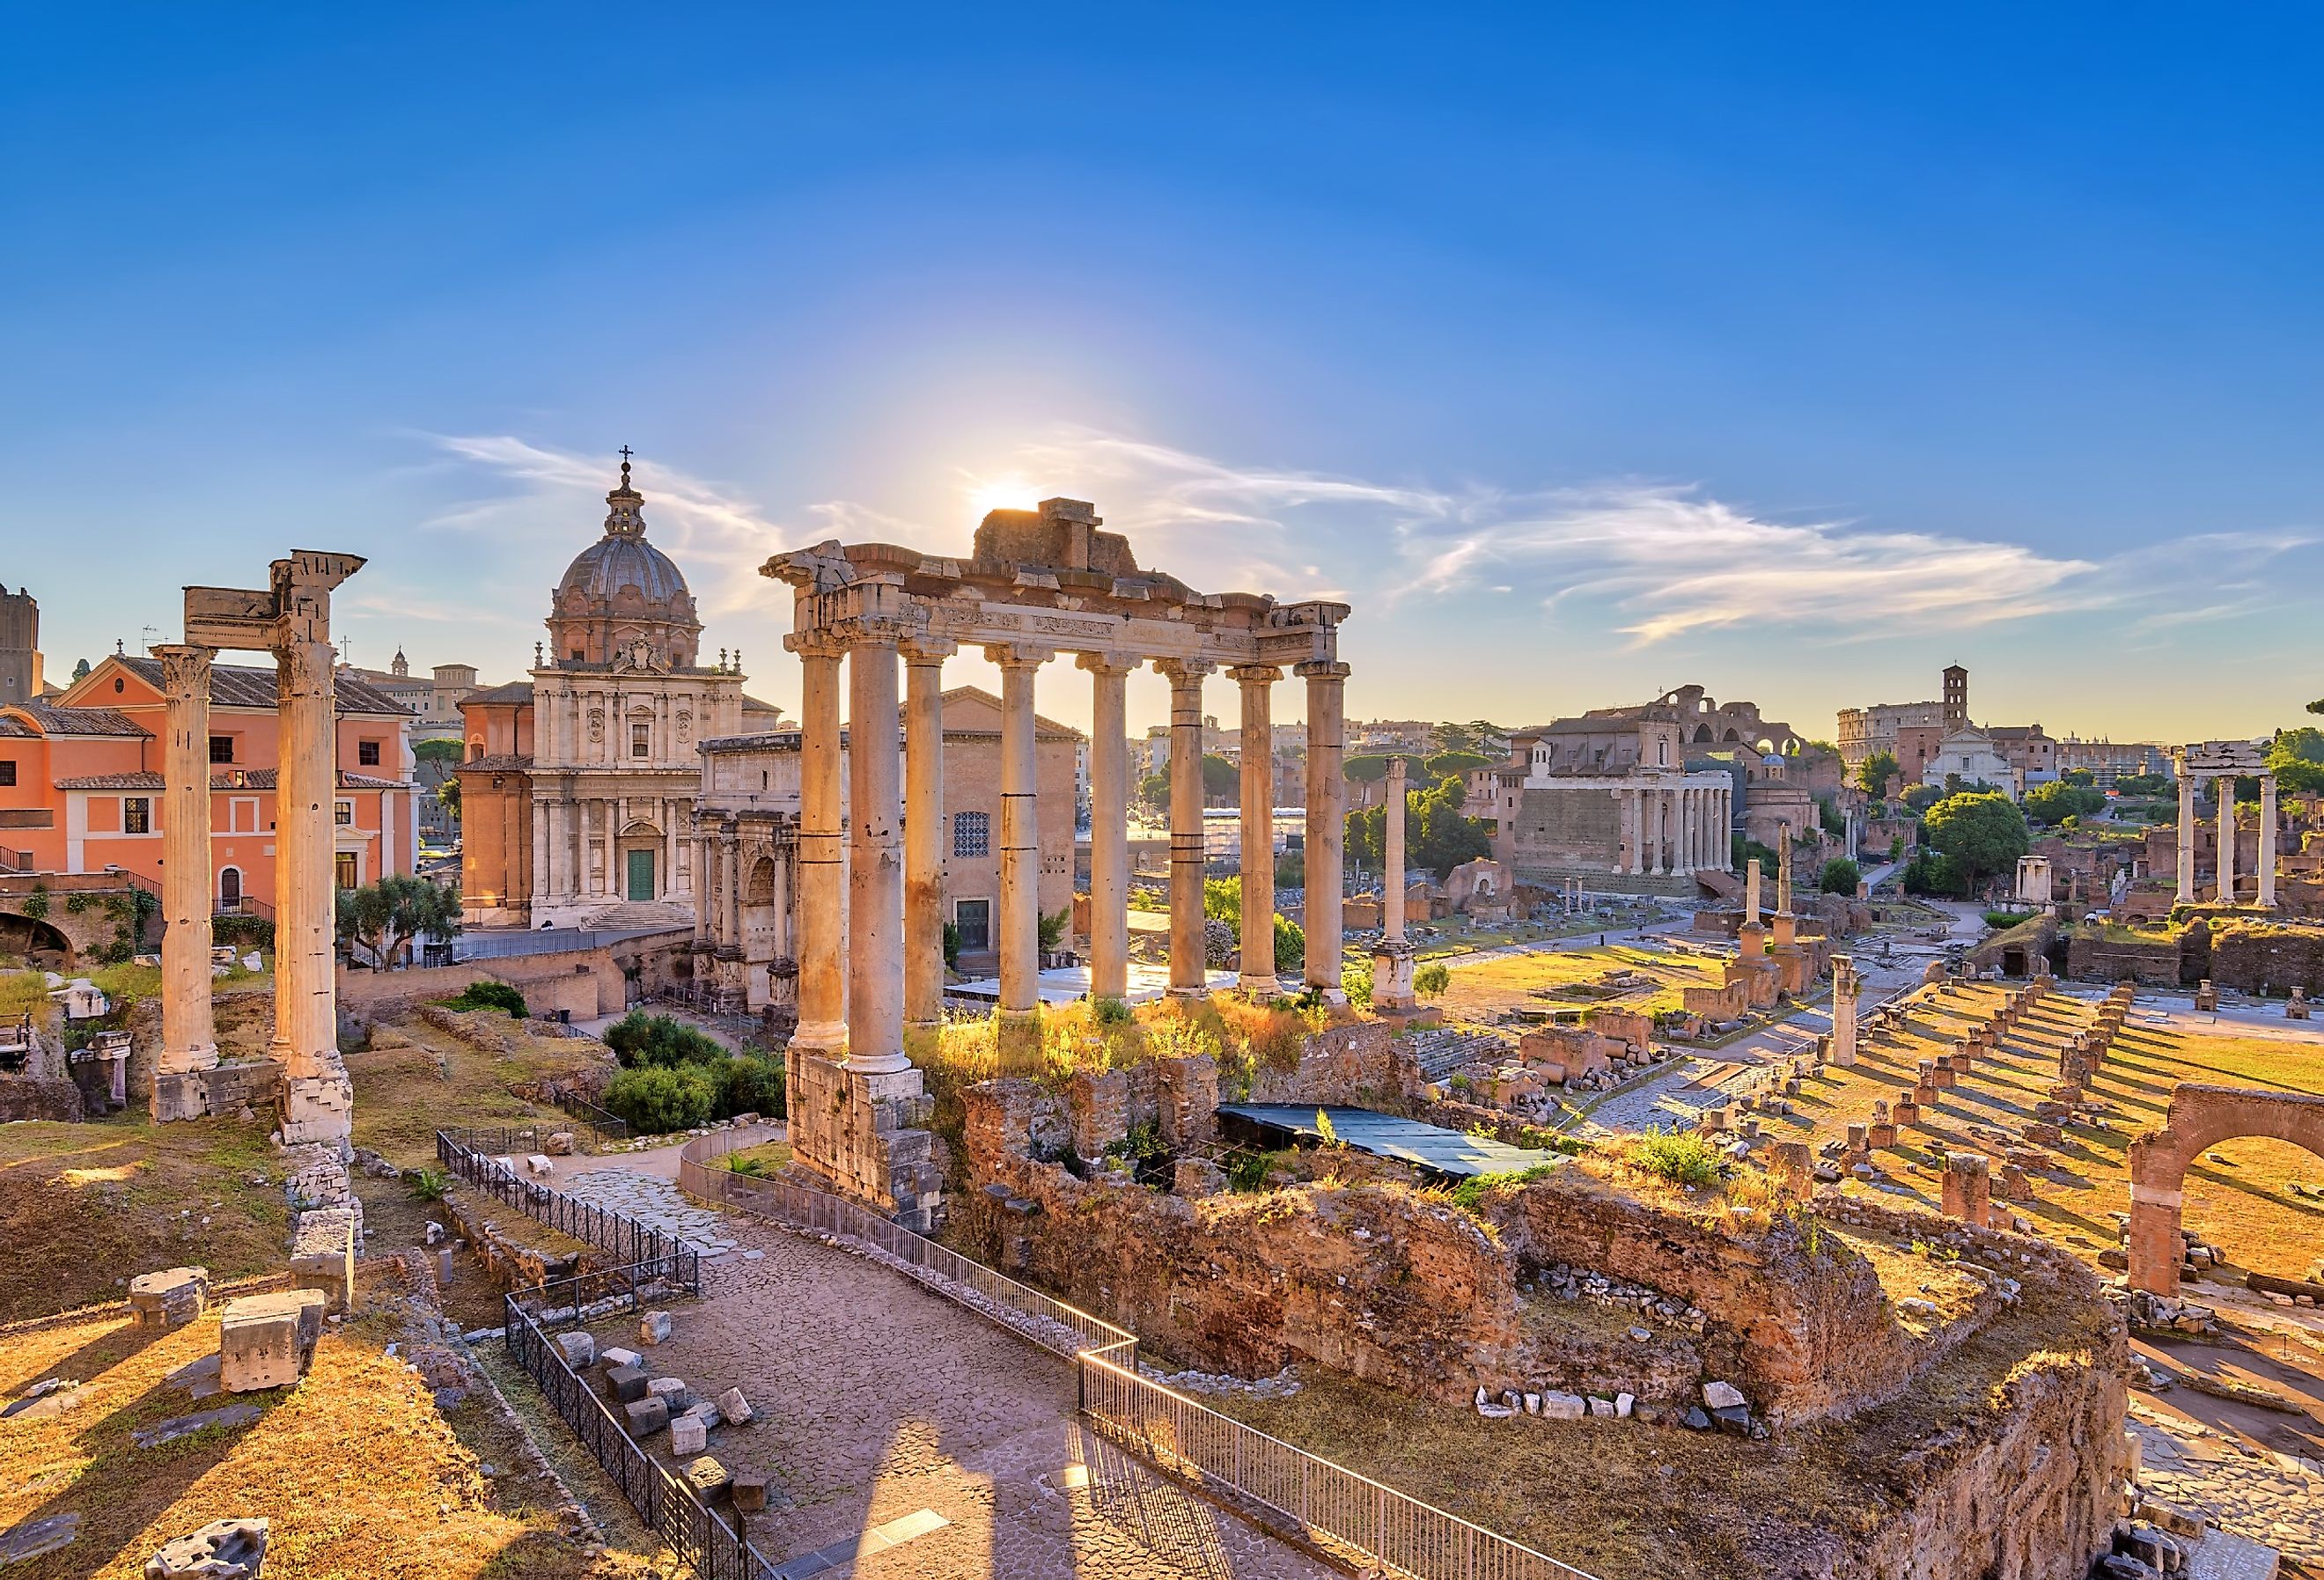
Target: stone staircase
(1446,1049)
(637,915)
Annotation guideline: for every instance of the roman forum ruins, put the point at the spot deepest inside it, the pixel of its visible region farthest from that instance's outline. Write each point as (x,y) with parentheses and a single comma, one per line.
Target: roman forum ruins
(1038,582)
(2222,762)
(291,619)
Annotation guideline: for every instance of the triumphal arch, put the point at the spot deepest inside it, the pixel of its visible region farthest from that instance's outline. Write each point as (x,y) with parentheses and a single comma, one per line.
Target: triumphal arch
(1039,584)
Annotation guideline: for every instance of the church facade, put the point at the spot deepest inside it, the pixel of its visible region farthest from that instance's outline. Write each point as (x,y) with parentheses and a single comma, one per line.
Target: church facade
(578,789)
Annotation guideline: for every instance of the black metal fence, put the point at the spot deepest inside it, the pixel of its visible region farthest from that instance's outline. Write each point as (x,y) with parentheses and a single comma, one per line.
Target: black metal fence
(668,1505)
(603,1126)
(474,1158)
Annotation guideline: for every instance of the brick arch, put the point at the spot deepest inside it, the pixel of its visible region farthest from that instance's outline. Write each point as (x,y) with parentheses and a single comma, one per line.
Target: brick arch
(2201,1117)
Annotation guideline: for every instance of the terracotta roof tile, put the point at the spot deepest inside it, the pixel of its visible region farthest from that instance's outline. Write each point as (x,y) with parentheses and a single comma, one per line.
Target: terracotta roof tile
(254,685)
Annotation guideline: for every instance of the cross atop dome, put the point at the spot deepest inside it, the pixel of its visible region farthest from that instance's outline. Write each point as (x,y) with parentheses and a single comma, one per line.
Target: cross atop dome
(626,518)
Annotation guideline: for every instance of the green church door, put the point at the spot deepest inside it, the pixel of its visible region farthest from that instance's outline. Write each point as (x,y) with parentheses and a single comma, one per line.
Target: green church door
(641,881)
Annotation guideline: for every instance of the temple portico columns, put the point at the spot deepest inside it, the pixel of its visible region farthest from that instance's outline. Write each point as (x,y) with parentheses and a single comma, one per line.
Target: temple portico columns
(1687,798)
(924,832)
(1021,847)
(188,1029)
(1109,940)
(1633,860)
(2186,895)
(319,1099)
(822,1029)
(1258,843)
(2267,841)
(875,866)
(1658,828)
(2224,787)
(1327,685)
(1187,976)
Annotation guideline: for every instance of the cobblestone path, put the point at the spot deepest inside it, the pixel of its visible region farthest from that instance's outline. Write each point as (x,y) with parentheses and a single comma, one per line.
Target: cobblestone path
(2269,1497)
(654,1201)
(878,1399)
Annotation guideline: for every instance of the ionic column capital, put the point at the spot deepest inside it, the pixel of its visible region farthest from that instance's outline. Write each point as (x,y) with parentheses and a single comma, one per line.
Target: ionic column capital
(1255,674)
(1185,672)
(1019,655)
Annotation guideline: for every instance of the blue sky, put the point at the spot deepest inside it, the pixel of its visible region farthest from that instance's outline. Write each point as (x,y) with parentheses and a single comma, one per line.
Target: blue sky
(1794,352)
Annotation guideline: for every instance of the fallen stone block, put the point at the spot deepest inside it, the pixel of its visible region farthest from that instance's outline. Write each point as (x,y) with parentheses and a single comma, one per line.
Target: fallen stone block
(170,1431)
(708,1477)
(19,1543)
(1601,1407)
(1720,1396)
(653,1329)
(1564,1407)
(735,1407)
(671,1390)
(266,1341)
(689,1436)
(561,1143)
(626,1383)
(646,1416)
(224,1549)
(323,1254)
(579,1350)
(616,1356)
(751,1492)
(169,1298)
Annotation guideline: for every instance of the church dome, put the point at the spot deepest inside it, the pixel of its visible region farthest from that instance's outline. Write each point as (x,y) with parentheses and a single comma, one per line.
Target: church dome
(621,591)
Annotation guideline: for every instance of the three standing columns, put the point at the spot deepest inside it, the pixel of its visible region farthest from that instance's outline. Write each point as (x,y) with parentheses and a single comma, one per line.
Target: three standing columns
(1258,977)
(1327,702)
(1020,857)
(1109,922)
(1187,976)
(188,1029)
(923,833)
(822,1029)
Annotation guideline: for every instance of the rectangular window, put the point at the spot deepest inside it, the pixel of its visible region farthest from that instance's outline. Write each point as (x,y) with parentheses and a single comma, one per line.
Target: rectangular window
(137,815)
(367,753)
(7,770)
(642,740)
(221,748)
(972,834)
(348,876)
(973,918)
(343,813)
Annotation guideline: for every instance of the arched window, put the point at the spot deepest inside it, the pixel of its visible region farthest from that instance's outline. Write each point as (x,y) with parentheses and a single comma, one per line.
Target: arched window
(476,750)
(229,889)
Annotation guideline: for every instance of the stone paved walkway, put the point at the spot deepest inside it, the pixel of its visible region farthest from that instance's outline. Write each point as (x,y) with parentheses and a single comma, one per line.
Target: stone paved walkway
(878,1399)
(2269,1497)
(652,1201)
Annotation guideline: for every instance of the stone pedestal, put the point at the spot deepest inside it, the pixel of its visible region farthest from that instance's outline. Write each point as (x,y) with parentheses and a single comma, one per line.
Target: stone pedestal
(170,1298)
(266,1341)
(1969,1188)
(860,1131)
(1393,963)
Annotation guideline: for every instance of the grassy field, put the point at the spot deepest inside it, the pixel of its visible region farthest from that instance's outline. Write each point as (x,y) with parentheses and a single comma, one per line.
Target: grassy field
(1482,990)
(359,1473)
(414,1080)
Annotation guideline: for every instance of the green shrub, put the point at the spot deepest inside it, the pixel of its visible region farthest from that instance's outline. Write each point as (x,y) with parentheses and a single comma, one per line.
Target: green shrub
(639,1040)
(1290,944)
(489,995)
(1431,979)
(1113,1011)
(1680,1158)
(430,1184)
(657,1099)
(1469,1195)
(755,1084)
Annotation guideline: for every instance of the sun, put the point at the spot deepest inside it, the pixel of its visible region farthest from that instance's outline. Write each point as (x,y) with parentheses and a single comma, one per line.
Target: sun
(1007,491)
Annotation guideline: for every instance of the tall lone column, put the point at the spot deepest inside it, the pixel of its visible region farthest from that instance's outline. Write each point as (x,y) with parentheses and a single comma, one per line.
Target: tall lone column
(1845,986)
(1327,704)
(923,833)
(1259,975)
(822,1031)
(189,1031)
(318,1101)
(1109,908)
(2224,787)
(2267,841)
(875,866)
(1020,859)
(1188,978)
(730,883)
(2186,895)
(1393,959)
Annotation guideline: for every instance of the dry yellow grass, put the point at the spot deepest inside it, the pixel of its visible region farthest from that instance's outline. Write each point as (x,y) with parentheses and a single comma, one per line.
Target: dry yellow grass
(358,1472)
(415,1079)
(1482,990)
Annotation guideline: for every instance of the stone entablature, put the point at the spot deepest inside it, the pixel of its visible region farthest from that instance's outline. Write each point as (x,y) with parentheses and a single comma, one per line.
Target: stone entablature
(2222,762)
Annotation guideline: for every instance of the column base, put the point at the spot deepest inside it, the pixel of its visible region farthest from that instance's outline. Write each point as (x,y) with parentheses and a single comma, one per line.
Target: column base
(1331,993)
(820,1038)
(318,1110)
(180,1095)
(1269,986)
(878,1064)
(1175,991)
(1393,963)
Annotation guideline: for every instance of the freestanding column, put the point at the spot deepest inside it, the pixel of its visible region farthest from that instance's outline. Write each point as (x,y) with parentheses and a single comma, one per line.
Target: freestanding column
(2224,787)
(1109,826)
(1751,891)
(188,1032)
(318,1101)
(2267,841)
(875,866)
(1258,977)
(1845,986)
(1327,682)
(1393,960)
(730,875)
(1187,976)
(822,865)
(1020,854)
(2186,835)
(923,833)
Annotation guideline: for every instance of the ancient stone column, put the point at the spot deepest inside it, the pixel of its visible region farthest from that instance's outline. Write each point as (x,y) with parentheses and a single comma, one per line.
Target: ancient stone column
(1188,978)
(730,883)
(1686,829)
(1258,976)
(189,1031)
(1392,961)
(1326,830)
(702,888)
(318,1101)
(2267,841)
(822,1031)
(1020,851)
(1784,872)
(2224,787)
(923,833)
(2186,895)
(1751,891)
(1634,818)
(1845,986)
(875,866)
(1109,908)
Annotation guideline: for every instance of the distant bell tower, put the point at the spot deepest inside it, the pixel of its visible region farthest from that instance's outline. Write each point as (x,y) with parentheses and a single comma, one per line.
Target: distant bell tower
(400,666)
(20,646)
(1956,698)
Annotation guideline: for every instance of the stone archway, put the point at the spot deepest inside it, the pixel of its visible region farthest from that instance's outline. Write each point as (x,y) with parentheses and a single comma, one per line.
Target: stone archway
(2201,1117)
(27,936)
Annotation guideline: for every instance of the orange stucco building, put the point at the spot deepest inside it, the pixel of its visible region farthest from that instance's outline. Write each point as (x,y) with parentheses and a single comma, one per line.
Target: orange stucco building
(81,780)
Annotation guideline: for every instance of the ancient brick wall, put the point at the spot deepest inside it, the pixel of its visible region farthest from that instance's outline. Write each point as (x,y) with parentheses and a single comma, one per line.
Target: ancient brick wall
(2091,957)
(1363,1064)
(2268,959)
